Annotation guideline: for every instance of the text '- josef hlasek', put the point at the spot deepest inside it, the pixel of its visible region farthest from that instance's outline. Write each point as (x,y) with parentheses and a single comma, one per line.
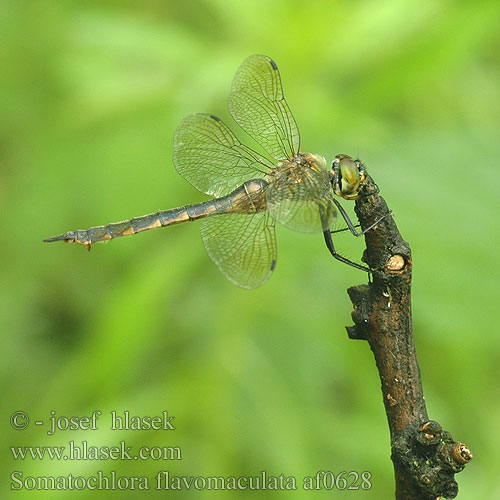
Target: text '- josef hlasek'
(115,421)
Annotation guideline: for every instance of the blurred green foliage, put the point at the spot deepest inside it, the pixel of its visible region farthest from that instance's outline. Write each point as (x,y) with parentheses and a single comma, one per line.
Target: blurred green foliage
(91,93)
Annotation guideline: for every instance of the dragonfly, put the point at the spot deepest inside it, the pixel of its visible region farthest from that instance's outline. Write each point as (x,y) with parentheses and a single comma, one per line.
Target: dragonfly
(251,191)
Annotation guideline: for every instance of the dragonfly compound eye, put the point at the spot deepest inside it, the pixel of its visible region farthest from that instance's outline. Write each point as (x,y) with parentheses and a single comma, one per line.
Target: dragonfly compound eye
(350,176)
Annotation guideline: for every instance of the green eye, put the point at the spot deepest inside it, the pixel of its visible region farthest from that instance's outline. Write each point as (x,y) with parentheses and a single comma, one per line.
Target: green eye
(349,177)
(349,171)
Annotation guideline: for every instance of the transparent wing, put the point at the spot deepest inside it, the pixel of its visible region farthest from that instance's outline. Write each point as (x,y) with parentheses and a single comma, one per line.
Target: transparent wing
(300,199)
(242,245)
(258,105)
(209,156)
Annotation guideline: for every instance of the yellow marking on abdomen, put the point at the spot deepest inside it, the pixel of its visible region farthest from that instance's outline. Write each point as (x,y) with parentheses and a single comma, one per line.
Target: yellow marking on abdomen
(153,225)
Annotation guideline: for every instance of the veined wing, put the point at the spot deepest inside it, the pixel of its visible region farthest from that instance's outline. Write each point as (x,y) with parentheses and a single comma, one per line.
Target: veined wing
(299,198)
(258,105)
(209,156)
(242,245)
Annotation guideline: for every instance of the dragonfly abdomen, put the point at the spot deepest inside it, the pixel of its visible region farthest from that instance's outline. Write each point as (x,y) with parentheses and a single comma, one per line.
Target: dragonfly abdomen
(136,225)
(248,198)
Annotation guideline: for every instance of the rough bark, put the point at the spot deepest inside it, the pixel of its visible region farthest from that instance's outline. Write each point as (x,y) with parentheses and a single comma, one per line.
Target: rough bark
(425,457)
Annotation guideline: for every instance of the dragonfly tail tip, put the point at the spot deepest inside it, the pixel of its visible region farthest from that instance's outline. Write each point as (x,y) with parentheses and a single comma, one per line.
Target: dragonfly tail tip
(61,237)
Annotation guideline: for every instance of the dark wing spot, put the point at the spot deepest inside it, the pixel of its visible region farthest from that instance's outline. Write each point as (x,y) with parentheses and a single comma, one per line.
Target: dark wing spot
(215,118)
(273,265)
(273,64)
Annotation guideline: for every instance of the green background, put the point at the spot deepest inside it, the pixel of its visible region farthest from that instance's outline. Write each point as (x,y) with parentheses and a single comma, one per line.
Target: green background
(91,94)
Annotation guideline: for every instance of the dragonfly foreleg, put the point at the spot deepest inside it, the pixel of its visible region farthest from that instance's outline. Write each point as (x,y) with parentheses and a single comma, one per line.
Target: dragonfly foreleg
(353,227)
(341,258)
(335,231)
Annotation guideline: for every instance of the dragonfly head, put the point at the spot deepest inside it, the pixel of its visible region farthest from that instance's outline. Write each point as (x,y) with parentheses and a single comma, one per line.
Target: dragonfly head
(348,174)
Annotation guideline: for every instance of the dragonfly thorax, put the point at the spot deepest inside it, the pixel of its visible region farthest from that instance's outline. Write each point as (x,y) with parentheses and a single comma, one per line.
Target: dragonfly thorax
(300,162)
(309,160)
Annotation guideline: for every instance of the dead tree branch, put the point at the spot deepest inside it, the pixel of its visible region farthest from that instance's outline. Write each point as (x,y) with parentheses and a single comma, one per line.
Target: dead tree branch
(425,457)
